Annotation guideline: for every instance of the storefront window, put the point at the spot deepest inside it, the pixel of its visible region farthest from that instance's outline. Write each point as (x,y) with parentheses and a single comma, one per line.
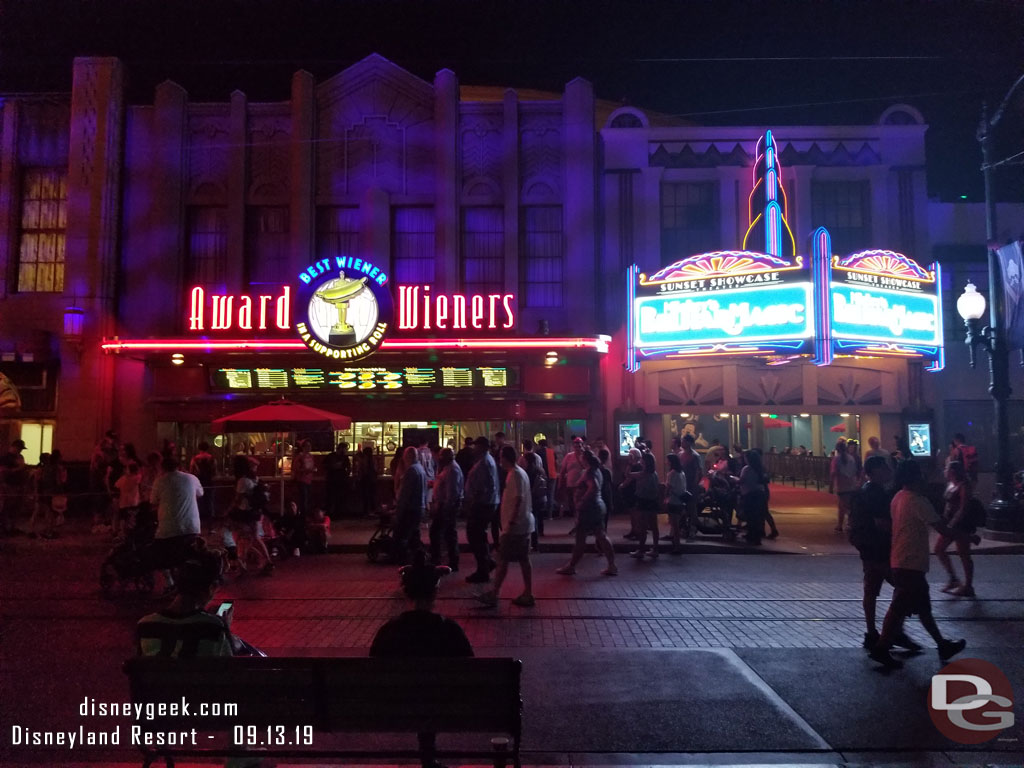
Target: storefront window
(38,437)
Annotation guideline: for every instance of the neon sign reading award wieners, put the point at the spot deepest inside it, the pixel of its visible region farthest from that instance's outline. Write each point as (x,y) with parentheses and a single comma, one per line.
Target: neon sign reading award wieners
(418,309)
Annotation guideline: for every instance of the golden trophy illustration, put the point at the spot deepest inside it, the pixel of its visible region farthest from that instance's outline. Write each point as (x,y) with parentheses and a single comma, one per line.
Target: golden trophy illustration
(339,292)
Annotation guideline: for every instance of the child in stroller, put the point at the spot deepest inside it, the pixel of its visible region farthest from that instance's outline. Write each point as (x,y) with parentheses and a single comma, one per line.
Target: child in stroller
(716,506)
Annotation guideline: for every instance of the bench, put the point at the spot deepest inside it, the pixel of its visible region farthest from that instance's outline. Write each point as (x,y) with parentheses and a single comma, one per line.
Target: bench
(285,705)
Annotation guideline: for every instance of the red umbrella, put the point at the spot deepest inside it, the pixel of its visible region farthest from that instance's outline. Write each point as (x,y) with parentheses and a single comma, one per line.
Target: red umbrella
(840,427)
(281,416)
(775,423)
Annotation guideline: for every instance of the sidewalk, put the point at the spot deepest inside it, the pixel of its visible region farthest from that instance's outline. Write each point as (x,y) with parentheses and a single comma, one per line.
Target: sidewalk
(805,517)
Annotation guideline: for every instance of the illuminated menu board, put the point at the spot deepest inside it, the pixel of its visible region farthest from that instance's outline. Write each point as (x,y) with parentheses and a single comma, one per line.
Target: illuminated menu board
(369,379)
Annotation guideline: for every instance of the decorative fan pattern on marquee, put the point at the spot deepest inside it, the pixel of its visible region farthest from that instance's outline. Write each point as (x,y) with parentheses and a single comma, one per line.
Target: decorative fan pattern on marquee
(719,264)
(884,262)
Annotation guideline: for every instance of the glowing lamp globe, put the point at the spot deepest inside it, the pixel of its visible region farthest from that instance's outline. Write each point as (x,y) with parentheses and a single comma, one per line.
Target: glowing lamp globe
(971,304)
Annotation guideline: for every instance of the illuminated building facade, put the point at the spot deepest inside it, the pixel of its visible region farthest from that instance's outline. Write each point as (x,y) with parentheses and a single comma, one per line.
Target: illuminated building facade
(421,255)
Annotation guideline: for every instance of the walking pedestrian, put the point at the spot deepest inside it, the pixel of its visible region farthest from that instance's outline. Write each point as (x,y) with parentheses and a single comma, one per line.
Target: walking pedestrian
(482,501)
(843,479)
(204,466)
(871,534)
(445,506)
(912,514)
(676,496)
(517,524)
(753,495)
(303,471)
(693,470)
(967,455)
(366,477)
(648,494)
(410,504)
(338,477)
(957,515)
(175,495)
(590,520)
(246,513)
(571,474)
(627,492)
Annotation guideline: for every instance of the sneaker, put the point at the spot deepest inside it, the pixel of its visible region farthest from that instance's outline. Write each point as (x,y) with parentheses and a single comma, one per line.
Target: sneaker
(478,578)
(964,591)
(772,535)
(904,641)
(611,570)
(630,537)
(524,601)
(870,640)
(975,539)
(566,570)
(951,585)
(489,599)
(637,554)
(950,648)
(296,552)
(883,657)
(654,554)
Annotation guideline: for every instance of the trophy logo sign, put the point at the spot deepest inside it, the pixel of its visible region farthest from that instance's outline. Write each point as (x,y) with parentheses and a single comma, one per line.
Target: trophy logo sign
(347,306)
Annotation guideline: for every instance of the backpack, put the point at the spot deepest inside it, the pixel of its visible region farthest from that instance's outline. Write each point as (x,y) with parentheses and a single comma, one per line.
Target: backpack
(259,497)
(535,472)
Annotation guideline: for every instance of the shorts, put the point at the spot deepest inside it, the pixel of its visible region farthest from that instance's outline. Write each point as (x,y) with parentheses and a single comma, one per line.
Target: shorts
(876,573)
(514,547)
(910,592)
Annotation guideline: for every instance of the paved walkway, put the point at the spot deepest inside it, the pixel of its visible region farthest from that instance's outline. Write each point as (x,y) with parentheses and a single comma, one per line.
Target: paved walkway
(703,658)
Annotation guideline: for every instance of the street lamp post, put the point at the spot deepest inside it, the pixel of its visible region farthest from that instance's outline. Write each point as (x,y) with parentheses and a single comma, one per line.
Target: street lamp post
(1004,517)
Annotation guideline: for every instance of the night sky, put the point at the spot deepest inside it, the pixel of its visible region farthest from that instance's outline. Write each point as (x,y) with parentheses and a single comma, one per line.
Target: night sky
(715,62)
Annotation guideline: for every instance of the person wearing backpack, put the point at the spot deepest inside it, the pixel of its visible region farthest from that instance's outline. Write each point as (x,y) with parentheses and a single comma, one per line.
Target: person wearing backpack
(532,464)
(961,518)
(247,510)
(967,455)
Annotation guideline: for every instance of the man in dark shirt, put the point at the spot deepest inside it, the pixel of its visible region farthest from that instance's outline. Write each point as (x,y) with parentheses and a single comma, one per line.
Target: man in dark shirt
(421,633)
(871,534)
(465,458)
(338,473)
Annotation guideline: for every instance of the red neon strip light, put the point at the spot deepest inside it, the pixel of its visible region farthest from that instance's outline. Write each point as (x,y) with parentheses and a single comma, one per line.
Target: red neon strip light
(598,343)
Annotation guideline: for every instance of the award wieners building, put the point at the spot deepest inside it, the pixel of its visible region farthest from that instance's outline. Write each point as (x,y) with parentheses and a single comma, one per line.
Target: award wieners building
(424,256)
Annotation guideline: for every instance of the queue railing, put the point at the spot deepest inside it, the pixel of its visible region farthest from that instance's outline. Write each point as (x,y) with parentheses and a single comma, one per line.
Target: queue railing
(793,468)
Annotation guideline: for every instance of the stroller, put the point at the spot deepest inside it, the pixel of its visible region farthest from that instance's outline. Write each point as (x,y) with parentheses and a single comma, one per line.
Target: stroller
(128,563)
(381,547)
(716,505)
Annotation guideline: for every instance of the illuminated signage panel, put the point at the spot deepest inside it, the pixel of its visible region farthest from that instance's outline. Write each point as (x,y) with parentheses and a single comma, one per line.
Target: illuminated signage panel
(447,379)
(883,303)
(728,302)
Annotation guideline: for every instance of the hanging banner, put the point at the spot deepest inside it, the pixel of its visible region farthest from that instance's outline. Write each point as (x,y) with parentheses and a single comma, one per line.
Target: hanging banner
(1011,262)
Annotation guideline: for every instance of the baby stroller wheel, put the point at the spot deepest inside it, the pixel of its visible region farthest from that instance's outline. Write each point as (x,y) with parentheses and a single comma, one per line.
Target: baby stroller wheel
(108,577)
(373,552)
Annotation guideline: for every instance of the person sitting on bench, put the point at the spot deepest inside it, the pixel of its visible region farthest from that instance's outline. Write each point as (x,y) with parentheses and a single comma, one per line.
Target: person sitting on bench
(421,633)
(184,629)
